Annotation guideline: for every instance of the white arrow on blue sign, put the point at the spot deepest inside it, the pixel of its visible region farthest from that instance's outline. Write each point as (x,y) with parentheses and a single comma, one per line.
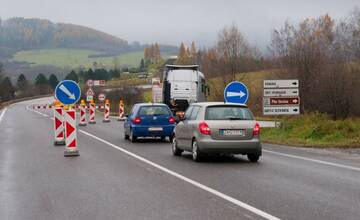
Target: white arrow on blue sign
(236,92)
(67,92)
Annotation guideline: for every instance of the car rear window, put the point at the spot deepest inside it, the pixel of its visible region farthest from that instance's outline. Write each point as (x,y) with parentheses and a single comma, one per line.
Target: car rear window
(154,110)
(228,112)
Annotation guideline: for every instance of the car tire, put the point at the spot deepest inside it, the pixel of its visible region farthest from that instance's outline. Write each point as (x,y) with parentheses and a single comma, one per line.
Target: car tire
(171,137)
(126,137)
(175,150)
(196,154)
(162,138)
(253,157)
(132,137)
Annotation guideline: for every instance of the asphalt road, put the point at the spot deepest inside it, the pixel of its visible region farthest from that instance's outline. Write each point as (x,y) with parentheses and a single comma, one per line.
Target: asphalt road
(114,179)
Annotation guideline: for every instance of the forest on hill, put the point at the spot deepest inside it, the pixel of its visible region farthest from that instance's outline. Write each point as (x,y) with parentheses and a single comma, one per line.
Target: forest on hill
(17,34)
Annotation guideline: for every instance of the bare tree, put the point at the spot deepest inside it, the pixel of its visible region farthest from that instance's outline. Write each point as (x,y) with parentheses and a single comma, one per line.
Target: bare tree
(233,50)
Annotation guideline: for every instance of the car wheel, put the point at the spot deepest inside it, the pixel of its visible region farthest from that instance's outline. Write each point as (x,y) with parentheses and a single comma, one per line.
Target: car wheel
(175,150)
(126,137)
(162,138)
(253,157)
(196,154)
(132,137)
(171,137)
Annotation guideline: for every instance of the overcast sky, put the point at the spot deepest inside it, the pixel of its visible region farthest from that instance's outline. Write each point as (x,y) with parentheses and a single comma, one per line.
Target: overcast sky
(171,22)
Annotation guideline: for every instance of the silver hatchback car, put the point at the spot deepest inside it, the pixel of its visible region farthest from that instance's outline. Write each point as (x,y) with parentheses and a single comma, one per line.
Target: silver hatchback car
(217,128)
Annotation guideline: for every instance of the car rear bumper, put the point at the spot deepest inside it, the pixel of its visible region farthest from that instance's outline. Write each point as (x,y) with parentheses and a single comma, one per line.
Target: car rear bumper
(211,146)
(143,131)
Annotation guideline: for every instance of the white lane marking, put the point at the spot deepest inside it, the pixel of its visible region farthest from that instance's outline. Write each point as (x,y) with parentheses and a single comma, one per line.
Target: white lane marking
(188,180)
(2,114)
(314,160)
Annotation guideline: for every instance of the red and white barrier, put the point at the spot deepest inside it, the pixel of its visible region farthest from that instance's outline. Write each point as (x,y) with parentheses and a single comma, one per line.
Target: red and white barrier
(70,134)
(59,126)
(92,114)
(121,111)
(107,112)
(43,106)
(82,115)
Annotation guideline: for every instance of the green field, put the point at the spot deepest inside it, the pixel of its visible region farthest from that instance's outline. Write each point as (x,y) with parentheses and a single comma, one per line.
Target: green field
(75,58)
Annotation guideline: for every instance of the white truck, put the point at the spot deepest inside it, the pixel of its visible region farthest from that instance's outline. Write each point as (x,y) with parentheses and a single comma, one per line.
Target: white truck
(183,85)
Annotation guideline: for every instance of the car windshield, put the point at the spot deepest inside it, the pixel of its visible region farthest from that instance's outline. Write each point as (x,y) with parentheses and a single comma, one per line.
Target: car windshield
(154,110)
(227,112)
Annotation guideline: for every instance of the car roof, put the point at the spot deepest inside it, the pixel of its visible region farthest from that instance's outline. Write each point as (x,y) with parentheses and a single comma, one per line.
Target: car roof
(150,104)
(206,104)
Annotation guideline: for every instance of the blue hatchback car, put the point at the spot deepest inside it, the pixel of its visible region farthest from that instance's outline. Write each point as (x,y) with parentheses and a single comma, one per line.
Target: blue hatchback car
(149,120)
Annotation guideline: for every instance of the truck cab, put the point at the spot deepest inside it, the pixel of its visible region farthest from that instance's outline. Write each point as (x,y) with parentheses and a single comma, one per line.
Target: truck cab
(183,85)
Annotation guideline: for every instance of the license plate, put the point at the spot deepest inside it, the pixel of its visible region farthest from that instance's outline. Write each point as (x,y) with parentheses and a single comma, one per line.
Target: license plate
(232,132)
(155,129)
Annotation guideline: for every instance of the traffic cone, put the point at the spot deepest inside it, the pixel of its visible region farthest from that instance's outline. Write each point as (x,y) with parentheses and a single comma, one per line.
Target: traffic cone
(58,124)
(121,111)
(107,111)
(82,113)
(92,112)
(70,134)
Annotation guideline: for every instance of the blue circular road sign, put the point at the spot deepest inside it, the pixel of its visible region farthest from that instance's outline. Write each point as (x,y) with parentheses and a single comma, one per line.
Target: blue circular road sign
(236,92)
(67,92)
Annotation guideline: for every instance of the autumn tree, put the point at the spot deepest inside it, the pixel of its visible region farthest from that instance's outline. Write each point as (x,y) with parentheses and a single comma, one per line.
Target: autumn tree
(183,57)
(319,53)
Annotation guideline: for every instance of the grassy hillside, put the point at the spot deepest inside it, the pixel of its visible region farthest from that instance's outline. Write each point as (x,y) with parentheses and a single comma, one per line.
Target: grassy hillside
(74,58)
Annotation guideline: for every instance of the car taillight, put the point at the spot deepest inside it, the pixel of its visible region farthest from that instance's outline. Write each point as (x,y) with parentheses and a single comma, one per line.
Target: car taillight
(171,120)
(256,130)
(137,120)
(204,128)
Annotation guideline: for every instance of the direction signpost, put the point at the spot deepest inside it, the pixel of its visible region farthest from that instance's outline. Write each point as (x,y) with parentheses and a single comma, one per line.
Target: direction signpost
(281,97)
(236,92)
(99,82)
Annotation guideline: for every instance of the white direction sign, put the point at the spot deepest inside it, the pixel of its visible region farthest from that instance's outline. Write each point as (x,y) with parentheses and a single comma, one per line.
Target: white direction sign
(280,92)
(272,84)
(281,110)
(99,82)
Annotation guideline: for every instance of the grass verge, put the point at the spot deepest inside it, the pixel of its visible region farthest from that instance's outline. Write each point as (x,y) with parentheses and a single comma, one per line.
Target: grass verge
(314,130)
